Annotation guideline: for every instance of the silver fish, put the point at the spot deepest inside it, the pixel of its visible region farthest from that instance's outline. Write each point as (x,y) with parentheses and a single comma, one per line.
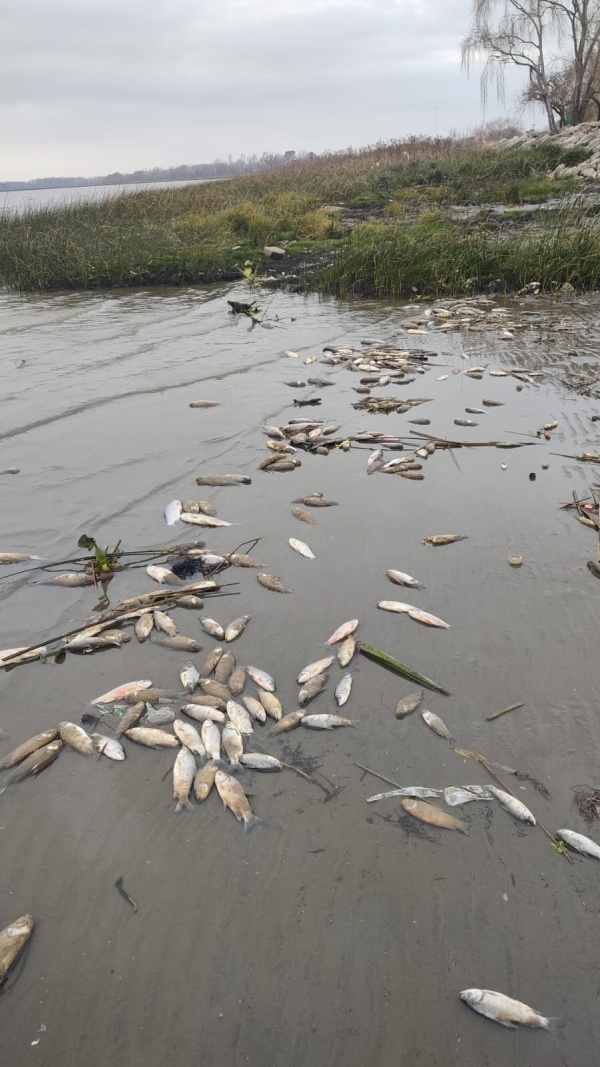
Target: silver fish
(233,744)
(173,512)
(325,722)
(16,557)
(580,842)
(301,548)
(144,626)
(179,642)
(204,520)
(203,713)
(163,575)
(236,627)
(213,628)
(190,676)
(223,479)
(261,678)
(409,703)
(211,738)
(513,806)
(313,669)
(189,736)
(345,630)
(108,746)
(312,688)
(71,579)
(346,651)
(240,718)
(375,461)
(271,704)
(204,781)
(436,724)
(234,798)
(506,1011)
(400,578)
(342,689)
(184,772)
(164,622)
(76,738)
(255,708)
(260,761)
(152,738)
(12,942)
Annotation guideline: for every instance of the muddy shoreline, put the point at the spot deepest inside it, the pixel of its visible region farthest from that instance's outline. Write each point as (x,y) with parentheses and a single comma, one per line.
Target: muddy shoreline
(331,933)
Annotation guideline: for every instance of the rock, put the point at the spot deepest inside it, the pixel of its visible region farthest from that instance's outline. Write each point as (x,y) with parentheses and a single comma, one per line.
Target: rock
(273,252)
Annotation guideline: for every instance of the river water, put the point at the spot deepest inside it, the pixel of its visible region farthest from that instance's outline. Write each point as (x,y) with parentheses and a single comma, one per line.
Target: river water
(18,200)
(329,935)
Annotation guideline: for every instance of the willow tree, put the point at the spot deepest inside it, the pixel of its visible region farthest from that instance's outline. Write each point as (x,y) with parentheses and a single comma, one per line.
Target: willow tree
(557,42)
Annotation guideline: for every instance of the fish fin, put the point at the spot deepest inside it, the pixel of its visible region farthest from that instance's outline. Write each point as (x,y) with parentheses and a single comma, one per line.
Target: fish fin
(251,824)
(554,1024)
(184,805)
(234,767)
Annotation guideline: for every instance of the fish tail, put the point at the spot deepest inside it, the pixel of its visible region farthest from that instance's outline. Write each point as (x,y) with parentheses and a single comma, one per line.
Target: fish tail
(234,766)
(184,805)
(251,824)
(554,1024)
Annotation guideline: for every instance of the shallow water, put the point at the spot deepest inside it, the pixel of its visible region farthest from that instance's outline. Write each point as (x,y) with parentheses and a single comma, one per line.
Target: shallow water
(328,935)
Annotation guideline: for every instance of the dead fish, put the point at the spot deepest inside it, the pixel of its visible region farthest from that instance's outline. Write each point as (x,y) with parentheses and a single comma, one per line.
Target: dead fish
(426,619)
(204,781)
(272,582)
(26,748)
(287,723)
(204,507)
(550,425)
(225,668)
(281,465)
(281,447)
(204,713)
(12,942)
(409,703)
(419,791)
(492,403)
(108,639)
(240,718)
(184,771)
(35,763)
(255,708)
(375,461)
(262,679)
(399,578)
(240,559)
(157,717)
(164,622)
(151,738)
(108,746)
(172,513)
(303,515)
(179,642)
(455,795)
(580,842)
(190,676)
(213,628)
(237,680)
(211,739)
(436,724)
(163,575)
(204,520)
(506,1011)
(71,579)
(345,630)
(313,669)
(475,411)
(131,718)
(151,694)
(260,761)
(428,813)
(342,689)
(465,422)
(271,704)
(209,700)
(316,500)
(233,744)
(301,548)
(312,688)
(513,806)
(16,557)
(204,404)
(73,736)
(443,539)
(223,479)
(214,689)
(420,422)
(211,662)
(396,606)
(122,691)
(189,736)
(499,374)
(237,627)
(234,798)
(346,651)
(325,722)
(144,626)
(296,385)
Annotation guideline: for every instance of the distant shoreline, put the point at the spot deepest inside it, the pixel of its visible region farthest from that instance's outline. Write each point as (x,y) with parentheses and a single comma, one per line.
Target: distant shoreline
(25,187)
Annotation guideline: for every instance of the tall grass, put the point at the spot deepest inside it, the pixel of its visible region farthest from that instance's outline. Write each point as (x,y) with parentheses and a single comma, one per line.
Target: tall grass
(206,232)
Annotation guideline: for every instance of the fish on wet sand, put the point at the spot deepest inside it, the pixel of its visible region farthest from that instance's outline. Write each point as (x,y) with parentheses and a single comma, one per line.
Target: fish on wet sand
(313,669)
(70,579)
(35,763)
(211,662)
(303,515)
(76,738)
(164,622)
(203,713)
(234,798)
(343,631)
(342,689)
(16,557)
(436,724)
(204,781)
(237,680)
(163,575)
(190,676)
(225,667)
(271,704)
(396,606)
(26,748)
(152,695)
(580,842)
(316,500)
(179,642)
(272,582)
(443,539)
(223,479)
(428,813)
(144,626)
(204,403)
(301,548)
(210,521)
(409,703)
(255,708)
(262,679)
(241,559)
(346,651)
(508,1012)
(325,722)
(514,807)
(130,718)
(108,746)
(215,689)
(237,627)
(12,942)
(312,688)
(210,700)
(240,718)
(184,771)
(151,738)
(211,739)
(189,737)
(400,578)
(260,761)
(287,723)
(427,619)
(233,744)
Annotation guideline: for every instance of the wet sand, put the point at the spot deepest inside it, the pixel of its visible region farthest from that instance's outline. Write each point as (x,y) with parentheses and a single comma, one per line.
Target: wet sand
(329,935)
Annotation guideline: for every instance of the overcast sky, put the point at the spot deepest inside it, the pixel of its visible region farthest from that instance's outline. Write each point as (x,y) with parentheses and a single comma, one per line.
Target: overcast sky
(93,86)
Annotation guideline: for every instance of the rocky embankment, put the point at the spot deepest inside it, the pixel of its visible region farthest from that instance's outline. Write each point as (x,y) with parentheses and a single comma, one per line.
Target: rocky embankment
(586,137)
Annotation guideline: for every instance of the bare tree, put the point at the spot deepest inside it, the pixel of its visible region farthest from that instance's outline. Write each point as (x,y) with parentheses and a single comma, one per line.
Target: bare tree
(556,41)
